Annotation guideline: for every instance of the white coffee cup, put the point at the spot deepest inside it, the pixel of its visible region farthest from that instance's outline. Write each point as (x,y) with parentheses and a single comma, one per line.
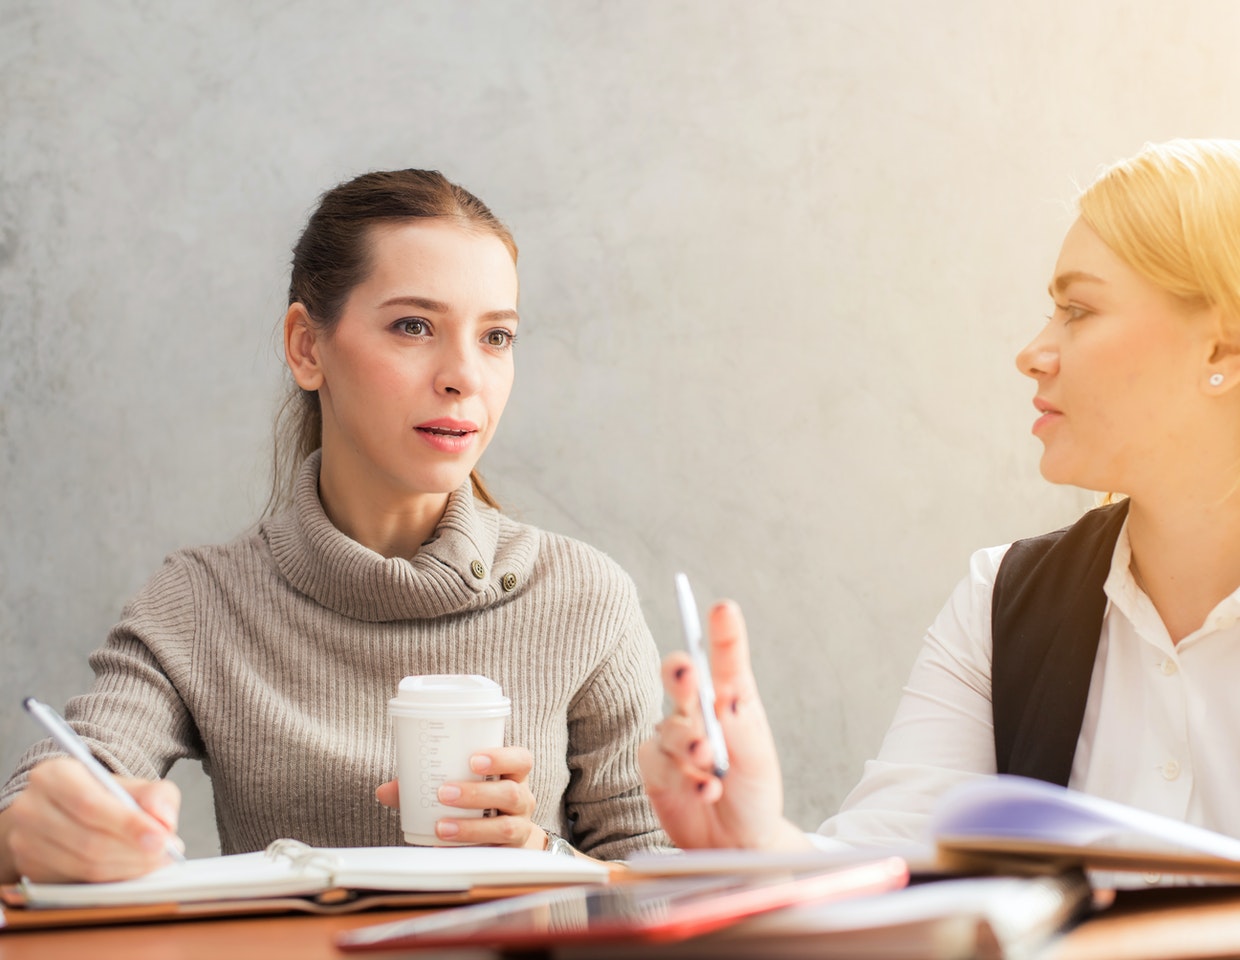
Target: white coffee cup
(441,721)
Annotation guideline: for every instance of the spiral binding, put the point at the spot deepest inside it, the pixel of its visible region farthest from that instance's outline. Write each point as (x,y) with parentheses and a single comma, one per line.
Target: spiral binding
(301,855)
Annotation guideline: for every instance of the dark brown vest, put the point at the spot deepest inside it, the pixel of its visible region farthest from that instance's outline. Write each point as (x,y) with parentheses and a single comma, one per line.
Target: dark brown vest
(1046,620)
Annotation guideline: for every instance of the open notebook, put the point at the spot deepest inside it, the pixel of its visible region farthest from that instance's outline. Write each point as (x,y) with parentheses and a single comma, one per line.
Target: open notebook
(1015,824)
(290,875)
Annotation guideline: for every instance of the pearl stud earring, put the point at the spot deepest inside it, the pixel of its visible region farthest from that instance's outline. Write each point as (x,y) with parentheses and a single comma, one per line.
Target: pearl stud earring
(1216,379)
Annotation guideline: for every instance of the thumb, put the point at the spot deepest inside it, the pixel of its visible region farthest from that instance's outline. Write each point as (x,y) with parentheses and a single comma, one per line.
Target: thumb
(388,794)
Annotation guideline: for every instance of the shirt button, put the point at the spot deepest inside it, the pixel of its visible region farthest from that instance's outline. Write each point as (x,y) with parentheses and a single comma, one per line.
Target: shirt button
(1168,667)
(477,569)
(1170,770)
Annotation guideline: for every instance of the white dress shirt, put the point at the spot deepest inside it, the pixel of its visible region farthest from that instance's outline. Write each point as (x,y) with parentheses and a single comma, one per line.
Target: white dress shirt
(1161,726)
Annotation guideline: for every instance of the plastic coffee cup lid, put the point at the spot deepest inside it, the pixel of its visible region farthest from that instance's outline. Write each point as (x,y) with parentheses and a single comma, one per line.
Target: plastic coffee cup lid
(449,694)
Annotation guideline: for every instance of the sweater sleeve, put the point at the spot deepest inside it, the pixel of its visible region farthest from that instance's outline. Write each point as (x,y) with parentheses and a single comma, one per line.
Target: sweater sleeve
(134,719)
(612,714)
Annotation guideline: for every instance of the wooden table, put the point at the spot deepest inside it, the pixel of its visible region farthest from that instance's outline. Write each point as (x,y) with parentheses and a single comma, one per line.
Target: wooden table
(1168,924)
(1171,925)
(283,937)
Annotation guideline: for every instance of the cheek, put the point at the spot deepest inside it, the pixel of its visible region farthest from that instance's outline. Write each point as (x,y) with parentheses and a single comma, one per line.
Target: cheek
(499,390)
(1117,383)
(378,377)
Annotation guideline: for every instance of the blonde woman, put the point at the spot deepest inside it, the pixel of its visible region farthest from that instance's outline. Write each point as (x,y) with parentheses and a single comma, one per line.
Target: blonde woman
(1102,657)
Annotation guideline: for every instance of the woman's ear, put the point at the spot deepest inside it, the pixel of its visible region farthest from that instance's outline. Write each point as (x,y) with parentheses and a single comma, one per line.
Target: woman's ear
(301,348)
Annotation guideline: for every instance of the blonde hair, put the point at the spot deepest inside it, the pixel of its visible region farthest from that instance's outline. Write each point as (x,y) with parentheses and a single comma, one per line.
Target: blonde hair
(1172,213)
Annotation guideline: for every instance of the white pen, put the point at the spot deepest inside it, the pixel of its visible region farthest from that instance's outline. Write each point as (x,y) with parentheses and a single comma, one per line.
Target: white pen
(706,686)
(72,744)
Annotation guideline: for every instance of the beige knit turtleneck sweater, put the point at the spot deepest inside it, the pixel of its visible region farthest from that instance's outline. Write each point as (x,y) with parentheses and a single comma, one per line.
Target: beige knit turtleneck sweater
(271,659)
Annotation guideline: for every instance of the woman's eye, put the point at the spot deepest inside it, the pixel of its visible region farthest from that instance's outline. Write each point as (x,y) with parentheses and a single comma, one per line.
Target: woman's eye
(500,338)
(1071,312)
(413,326)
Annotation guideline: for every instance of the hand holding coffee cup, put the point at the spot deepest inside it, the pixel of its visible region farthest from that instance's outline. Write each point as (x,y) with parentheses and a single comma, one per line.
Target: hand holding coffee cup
(458,784)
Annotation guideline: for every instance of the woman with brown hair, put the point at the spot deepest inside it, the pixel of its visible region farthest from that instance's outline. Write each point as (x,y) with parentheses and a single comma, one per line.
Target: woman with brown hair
(271,659)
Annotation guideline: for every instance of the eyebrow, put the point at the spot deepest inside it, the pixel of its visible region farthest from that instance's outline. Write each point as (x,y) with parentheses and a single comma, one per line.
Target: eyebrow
(438,306)
(1065,280)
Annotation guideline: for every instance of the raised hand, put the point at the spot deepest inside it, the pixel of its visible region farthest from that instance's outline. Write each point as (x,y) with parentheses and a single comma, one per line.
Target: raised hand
(698,809)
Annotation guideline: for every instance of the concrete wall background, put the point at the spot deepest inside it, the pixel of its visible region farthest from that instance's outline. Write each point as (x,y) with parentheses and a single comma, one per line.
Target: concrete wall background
(776,260)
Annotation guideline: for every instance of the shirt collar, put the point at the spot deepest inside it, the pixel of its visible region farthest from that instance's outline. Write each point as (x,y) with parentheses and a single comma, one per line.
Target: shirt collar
(1126,595)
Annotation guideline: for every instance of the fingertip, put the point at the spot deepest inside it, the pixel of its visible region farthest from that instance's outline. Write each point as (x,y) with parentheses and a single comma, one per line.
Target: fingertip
(447,829)
(150,841)
(388,794)
(726,615)
(166,813)
(677,669)
(710,789)
(480,763)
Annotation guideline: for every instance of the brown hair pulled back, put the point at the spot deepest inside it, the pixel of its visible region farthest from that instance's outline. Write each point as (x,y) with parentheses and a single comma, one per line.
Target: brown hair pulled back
(332,257)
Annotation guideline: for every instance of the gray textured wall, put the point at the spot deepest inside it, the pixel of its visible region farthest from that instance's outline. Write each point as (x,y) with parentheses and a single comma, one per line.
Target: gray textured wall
(776,260)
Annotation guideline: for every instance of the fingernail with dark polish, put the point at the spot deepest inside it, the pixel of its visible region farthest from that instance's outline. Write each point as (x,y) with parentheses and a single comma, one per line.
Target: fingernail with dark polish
(735,703)
(701,786)
(680,673)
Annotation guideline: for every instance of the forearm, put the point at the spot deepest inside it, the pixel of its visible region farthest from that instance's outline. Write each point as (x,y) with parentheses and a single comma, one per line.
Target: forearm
(786,837)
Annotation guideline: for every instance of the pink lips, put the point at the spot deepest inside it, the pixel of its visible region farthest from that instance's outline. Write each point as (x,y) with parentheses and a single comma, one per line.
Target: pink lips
(1049,414)
(447,435)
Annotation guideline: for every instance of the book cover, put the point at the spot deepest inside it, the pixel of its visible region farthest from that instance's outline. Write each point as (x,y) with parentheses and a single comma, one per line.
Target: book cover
(1015,824)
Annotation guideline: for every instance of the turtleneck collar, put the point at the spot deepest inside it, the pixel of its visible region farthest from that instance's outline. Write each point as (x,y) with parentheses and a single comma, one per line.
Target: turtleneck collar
(458,569)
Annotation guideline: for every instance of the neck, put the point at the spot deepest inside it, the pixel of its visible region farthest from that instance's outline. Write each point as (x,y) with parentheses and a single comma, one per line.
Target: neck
(1185,556)
(365,510)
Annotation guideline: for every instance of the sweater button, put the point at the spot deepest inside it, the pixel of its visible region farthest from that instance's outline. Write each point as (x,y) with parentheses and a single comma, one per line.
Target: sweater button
(509,582)
(477,569)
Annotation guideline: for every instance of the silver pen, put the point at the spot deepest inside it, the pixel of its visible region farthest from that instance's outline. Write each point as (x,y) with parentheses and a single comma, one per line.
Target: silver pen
(706,686)
(72,744)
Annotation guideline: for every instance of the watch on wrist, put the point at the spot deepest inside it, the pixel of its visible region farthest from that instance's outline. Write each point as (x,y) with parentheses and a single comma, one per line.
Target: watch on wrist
(557,844)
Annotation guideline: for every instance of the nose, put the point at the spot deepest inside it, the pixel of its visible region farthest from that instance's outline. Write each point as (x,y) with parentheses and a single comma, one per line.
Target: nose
(459,371)
(1040,356)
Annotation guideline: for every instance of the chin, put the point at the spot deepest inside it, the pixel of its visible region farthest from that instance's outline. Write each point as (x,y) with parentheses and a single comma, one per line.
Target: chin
(442,484)
(1063,476)
(1056,471)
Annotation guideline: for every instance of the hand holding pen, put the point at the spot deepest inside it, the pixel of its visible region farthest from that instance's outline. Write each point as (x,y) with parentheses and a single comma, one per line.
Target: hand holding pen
(75,821)
(684,771)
